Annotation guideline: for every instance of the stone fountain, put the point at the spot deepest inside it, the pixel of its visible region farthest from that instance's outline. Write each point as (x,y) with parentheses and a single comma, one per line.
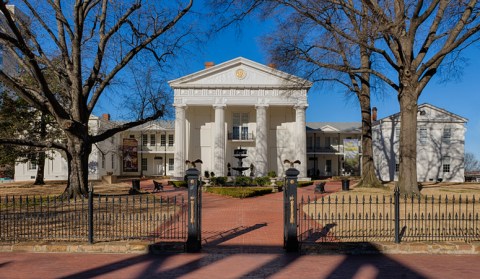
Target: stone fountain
(240,154)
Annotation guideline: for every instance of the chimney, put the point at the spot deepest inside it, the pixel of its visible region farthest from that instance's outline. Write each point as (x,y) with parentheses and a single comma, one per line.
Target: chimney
(106,116)
(209,65)
(272,65)
(374,114)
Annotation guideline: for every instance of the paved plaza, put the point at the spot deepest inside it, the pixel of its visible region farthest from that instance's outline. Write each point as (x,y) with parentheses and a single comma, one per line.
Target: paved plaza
(242,238)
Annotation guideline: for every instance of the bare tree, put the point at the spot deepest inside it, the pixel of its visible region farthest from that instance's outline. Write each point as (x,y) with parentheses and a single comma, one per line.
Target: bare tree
(92,42)
(418,37)
(308,41)
(471,162)
(415,39)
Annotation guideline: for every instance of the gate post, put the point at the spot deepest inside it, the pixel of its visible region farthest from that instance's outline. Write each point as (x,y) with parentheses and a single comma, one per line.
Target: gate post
(290,240)
(194,239)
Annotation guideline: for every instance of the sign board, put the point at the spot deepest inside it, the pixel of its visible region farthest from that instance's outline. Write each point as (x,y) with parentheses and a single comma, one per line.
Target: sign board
(130,155)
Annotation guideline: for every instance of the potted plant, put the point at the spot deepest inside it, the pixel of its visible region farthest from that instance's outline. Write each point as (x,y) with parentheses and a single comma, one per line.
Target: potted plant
(206,178)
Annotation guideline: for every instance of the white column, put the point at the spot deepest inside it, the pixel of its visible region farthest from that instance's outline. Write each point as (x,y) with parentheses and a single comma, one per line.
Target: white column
(261,141)
(179,156)
(219,141)
(301,139)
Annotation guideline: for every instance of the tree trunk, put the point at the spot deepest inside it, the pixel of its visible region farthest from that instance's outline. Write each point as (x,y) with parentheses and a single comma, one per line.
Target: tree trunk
(407,181)
(39,179)
(369,178)
(77,157)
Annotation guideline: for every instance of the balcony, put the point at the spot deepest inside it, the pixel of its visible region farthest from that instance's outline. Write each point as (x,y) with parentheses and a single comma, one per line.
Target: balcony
(332,149)
(156,148)
(241,137)
(325,149)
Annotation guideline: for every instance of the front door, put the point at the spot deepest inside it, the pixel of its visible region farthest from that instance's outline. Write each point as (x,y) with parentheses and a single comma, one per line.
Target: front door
(157,166)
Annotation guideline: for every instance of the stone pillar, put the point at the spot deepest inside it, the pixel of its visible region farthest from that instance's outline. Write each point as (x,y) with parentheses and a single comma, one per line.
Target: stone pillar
(261,141)
(180,147)
(301,139)
(219,141)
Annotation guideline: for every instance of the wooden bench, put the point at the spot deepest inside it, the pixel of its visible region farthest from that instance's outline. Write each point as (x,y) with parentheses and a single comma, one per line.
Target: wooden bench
(158,186)
(320,187)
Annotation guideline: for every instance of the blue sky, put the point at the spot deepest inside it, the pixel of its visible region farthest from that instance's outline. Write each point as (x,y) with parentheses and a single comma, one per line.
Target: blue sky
(328,104)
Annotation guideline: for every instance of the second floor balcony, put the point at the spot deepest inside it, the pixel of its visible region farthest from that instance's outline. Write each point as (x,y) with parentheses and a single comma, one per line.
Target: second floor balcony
(156,148)
(241,136)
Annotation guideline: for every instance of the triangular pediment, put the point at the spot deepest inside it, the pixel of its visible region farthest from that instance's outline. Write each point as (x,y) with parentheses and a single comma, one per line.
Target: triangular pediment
(430,113)
(328,128)
(239,72)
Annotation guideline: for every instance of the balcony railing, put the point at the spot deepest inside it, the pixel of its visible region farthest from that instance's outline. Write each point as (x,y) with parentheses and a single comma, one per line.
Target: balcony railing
(156,148)
(329,149)
(241,136)
(325,149)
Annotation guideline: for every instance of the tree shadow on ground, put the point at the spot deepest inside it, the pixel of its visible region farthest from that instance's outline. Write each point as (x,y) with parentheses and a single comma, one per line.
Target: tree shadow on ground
(218,260)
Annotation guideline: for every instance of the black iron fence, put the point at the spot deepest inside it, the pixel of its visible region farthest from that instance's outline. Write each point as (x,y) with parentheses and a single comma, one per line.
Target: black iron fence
(396,218)
(96,218)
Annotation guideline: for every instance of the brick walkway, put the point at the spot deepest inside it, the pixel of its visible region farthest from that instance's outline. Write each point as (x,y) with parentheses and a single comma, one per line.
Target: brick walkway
(241,239)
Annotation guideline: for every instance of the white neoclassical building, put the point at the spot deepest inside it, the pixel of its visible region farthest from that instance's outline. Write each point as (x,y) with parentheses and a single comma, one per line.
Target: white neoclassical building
(440,145)
(240,103)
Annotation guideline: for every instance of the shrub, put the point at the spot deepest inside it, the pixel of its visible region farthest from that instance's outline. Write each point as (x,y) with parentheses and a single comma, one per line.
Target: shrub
(243,181)
(304,183)
(272,174)
(239,192)
(220,181)
(206,174)
(262,180)
(178,184)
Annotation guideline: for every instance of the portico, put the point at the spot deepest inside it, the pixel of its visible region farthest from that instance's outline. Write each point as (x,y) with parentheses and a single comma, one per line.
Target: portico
(240,103)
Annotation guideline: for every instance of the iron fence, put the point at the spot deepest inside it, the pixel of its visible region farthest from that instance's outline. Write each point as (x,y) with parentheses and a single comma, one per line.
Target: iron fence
(388,218)
(96,218)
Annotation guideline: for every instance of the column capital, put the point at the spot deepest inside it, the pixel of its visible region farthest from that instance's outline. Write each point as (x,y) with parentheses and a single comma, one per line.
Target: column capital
(219,106)
(180,106)
(261,106)
(300,106)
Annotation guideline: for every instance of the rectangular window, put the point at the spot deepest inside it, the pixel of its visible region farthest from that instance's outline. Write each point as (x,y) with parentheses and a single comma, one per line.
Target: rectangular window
(170,140)
(163,140)
(446,164)
(152,139)
(447,134)
(309,142)
(32,165)
(240,126)
(144,140)
(170,164)
(327,142)
(144,164)
(422,137)
(397,133)
(397,167)
(328,166)
(113,161)
(132,136)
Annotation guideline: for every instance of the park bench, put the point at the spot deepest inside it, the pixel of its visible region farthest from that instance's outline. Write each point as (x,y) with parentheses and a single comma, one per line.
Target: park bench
(158,186)
(320,188)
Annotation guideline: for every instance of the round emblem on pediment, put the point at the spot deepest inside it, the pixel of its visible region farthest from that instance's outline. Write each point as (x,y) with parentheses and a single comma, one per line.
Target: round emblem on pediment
(240,73)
